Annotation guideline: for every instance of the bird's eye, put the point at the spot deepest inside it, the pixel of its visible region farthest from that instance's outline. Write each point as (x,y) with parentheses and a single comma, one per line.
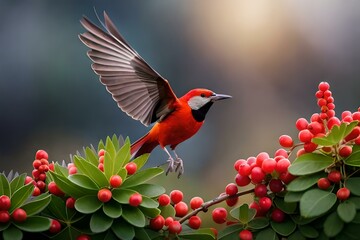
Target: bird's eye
(202,95)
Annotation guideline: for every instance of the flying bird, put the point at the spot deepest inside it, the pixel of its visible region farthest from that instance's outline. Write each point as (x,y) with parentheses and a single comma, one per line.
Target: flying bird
(145,95)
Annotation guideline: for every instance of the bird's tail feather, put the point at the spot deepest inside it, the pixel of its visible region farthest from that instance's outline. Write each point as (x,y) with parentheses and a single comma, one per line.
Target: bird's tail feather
(142,146)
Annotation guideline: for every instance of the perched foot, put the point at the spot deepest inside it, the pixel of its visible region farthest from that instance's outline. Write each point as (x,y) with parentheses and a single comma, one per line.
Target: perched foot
(179,166)
(171,166)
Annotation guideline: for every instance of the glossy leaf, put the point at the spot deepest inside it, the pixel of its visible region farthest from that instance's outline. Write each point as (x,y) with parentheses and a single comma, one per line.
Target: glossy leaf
(109,168)
(133,216)
(230,232)
(20,196)
(308,231)
(123,230)
(310,163)
(36,204)
(142,177)
(91,156)
(350,231)
(259,223)
(293,196)
(60,170)
(141,233)
(333,225)
(301,220)
(353,184)
(141,160)
(99,222)
(122,156)
(353,159)
(149,203)
(336,134)
(150,212)
(122,195)
(34,224)
(112,209)
(286,207)
(297,236)
(88,204)
(109,147)
(316,202)
(243,213)
(284,228)
(149,190)
(201,234)
(4,186)
(67,186)
(355,201)
(83,181)
(167,211)
(12,233)
(304,182)
(91,171)
(346,211)
(267,234)
(17,182)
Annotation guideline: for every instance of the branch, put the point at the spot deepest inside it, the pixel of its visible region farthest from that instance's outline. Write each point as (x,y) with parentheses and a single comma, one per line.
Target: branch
(204,207)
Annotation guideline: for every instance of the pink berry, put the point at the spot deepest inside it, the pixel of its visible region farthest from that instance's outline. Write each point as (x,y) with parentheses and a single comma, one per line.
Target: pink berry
(301,124)
(268,165)
(286,141)
(323,86)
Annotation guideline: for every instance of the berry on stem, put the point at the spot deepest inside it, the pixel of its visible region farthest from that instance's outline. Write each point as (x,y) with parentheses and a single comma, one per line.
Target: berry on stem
(181,209)
(157,223)
(5,202)
(176,196)
(194,222)
(245,235)
(104,195)
(175,227)
(131,168)
(55,226)
(196,202)
(19,215)
(164,200)
(286,141)
(135,199)
(219,215)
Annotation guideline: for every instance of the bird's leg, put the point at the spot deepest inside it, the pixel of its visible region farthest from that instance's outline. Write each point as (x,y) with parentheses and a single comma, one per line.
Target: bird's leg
(179,164)
(171,166)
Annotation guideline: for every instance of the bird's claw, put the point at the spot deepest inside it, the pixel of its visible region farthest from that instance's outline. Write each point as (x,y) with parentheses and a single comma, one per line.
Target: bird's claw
(179,166)
(171,166)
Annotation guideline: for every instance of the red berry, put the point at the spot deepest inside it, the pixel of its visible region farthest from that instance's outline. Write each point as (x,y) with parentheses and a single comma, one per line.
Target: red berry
(44,161)
(55,226)
(35,173)
(316,127)
(194,222)
(157,223)
(315,118)
(265,203)
(101,159)
(104,195)
(40,154)
(245,235)
(345,151)
(242,180)
(305,135)
(282,165)
(41,185)
(135,199)
(72,170)
(215,232)
(231,201)
(181,209)
(300,152)
(231,189)
(330,113)
(131,168)
(268,165)
(238,163)
(168,220)
(19,215)
(196,202)
(70,165)
(251,161)
(334,176)
(323,86)
(54,189)
(28,180)
(321,102)
(36,163)
(257,175)
(309,147)
(277,215)
(244,169)
(164,200)
(4,216)
(176,196)
(261,157)
(36,191)
(276,185)
(343,193)
(70,202)
(101,166)
(256,206)
(42,177)
(175,227)
(319,94)
(330,106)
(355,133)
(332,122)
(260,190)
(301,124)
(286,177)
(101,152)
(356,116)
(286,141)
(323,183)
(5,202)
(115,181)
(219,215)
(281,153)
(83,237)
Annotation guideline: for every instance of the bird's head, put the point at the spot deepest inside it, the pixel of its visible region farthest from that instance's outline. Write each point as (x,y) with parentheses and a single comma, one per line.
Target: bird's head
(200,100)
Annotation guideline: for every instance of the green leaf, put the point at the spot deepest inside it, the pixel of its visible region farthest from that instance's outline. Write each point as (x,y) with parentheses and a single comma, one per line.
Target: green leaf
(91,171)
(12,233)
(88,204)
(351,231)
(112,209)
(167,211)
(4,186)
(109,147)
(304,182)
(149,190)
(316,202)
(200,234)
(333,225)
(286,207)
(150,212)
(149,203)
(355,220)
(123,230)
(296,236)
(122,156)
(284,228)
(115,141)
(122,195)
(142,177)
(140,233)
(20,196)
(231,232)
(17,182)
(259,223)
(67,186)
(141,160)
(336,134)
(37,204)
(353,184)
(4,226)
(310,163)
(91,156)
(353,159)
(34,224)
(101,145)
(99,222)
(133,216)
(60,170)
(355,201)
(57,208)
(109,165)
(243,213)
(267,234)
(83,181)
(308,231)
(293,196)
(346,211)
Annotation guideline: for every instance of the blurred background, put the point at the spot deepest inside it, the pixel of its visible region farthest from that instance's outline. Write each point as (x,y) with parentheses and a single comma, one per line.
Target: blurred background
(269,55)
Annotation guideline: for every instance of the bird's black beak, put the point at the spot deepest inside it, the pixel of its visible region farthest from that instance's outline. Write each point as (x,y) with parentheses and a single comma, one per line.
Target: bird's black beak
(217,97)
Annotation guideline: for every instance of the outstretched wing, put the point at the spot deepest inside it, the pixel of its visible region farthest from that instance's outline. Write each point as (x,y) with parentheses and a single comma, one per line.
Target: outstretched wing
(138,89)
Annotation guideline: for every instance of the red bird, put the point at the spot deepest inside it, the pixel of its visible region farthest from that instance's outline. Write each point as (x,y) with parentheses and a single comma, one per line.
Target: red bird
(143,94)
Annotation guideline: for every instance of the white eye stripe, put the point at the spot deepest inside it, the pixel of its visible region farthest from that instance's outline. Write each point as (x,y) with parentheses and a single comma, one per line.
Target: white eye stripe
(197,102)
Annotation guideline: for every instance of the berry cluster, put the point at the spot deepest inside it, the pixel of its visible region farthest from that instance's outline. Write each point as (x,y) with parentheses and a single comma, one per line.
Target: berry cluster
(18,215)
